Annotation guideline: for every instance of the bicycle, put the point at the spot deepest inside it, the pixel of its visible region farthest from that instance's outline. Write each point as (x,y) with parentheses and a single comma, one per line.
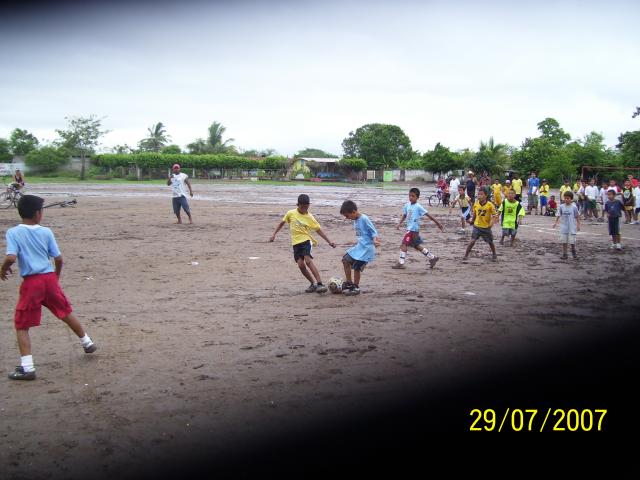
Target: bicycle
(10,196)
(438,198)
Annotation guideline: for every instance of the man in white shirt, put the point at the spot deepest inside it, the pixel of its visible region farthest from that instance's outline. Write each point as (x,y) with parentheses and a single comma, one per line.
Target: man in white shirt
(177,181)
(591,197)
(453,184)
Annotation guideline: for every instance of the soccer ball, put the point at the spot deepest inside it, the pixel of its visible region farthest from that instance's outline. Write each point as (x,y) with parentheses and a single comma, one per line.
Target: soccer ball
(335,285)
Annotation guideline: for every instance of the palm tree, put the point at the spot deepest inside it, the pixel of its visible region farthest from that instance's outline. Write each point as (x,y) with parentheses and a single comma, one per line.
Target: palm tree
(157,138)
(215,144)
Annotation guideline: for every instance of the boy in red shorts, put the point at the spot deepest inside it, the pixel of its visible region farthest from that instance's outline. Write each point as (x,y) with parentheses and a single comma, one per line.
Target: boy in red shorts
(33,245)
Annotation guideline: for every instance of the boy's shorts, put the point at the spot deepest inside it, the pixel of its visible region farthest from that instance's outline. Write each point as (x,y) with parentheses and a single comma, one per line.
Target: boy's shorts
(485,233)
(543,201)
(628,208)
(465,212)
(592,205)
(569,238)
(533,200)
(614,225)
(637,210)
(301,250)
(412,239)
(357,265)
(35,291)
(180,202)
(509,232)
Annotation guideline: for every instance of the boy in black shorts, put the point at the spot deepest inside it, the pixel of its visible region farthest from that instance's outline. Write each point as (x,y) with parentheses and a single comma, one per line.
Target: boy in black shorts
(301,223)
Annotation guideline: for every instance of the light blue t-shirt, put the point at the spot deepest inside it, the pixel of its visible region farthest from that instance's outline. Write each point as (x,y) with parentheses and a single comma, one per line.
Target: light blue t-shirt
(364,250)
(534,182)
(413,211)
(33,245)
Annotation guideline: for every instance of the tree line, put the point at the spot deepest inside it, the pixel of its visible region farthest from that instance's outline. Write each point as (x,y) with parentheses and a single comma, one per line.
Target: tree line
(554,154)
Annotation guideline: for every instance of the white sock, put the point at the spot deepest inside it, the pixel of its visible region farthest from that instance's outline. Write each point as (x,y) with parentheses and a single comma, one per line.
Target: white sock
(27,363)
(402,257)
(428,254)
(86,341)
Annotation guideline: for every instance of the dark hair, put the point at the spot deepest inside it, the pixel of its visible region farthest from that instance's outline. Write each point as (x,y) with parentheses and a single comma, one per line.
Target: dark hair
(303,199)
(29,205)
(348,206)
(416,191)
(568,193)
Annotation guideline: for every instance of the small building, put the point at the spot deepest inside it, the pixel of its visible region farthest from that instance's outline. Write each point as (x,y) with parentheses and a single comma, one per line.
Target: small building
(327,165)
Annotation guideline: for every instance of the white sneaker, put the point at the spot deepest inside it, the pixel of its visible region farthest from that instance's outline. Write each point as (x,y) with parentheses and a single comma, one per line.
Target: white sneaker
(612,246)
(618,246)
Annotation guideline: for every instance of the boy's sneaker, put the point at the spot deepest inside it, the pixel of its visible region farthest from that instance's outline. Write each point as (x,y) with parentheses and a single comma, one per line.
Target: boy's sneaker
(574,254)
(399,266)
(618,246)
(494,257)
(91,348)
(564,256)
(433,261)
(612,246)
(320,288)
(311,288)
(20,374)
(354,290)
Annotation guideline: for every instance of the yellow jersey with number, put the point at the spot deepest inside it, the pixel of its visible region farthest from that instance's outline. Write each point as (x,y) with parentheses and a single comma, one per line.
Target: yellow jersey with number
(483,214)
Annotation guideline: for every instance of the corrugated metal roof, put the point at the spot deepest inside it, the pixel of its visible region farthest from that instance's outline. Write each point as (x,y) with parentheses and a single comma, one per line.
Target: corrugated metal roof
(320,160)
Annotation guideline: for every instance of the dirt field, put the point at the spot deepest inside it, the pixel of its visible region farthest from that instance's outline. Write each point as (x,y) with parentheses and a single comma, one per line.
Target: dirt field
(206,329)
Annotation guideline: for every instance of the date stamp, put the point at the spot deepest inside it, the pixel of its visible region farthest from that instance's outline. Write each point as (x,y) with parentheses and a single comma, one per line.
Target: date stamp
(535,420)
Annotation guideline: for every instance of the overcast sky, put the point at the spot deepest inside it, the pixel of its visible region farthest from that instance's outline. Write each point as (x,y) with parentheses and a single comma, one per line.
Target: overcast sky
(294,74)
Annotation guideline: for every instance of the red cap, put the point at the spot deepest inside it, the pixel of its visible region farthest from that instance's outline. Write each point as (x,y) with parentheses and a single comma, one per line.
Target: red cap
(175,166)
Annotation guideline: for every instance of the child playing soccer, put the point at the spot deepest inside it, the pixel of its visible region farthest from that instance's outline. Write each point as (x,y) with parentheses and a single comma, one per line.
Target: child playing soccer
(358,256)
(463,200)
(482,218)
(636,194)
(412,212)
(544,196)
(301,222)
(614,208)
(569,219)
(33,245)
(512,214)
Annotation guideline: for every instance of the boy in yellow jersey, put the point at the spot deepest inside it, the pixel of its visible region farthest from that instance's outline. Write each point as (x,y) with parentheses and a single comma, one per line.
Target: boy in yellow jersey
(505,188)
(511,216)
(544,196)
(483,217)
(566,187)
(496,190)
(516,184)
(464,202)
(301,223)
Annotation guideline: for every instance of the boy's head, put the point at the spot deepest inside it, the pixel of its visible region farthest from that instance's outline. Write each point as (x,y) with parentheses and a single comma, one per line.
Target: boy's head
(553,197)
(611,194)
(592,181)
(29,206)
(461,189)
(349,209)
(176,168)
(508,182)
(303,203)
(627,183)
(482,195)
(568,196)
(511,195)
(414,195)
(612,183)
(496,181)
(544,181)
(566,181)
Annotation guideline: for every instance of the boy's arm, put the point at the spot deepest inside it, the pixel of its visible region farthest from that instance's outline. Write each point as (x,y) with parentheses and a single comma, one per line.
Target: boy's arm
(169,180)
(452,204)
(6,266)
(578,221)
(402,218)
(323,235)
(428,215)
(189,185)
(58,263)
(280,225)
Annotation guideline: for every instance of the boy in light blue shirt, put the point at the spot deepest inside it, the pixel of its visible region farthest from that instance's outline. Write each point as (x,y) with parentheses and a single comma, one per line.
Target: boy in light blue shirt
(413,212)
(361,253)
(33,245)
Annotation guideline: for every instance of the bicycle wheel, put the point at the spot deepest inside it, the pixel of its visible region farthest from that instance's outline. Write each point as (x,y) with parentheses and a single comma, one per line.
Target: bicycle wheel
(6,200)
(434,200)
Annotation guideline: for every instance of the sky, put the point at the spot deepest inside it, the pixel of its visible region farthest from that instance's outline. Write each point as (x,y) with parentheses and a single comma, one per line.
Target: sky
(288,75)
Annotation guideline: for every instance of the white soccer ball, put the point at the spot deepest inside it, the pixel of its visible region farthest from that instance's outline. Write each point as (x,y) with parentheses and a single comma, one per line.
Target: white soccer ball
(335,285)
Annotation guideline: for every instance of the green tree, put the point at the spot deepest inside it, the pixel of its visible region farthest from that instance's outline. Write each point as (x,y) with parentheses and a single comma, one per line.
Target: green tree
(5,154)
(551,131)
(314,153)
(47,159)
(123,149)
(171,149)
(381,145)
(156,139)
(213,143)
(82,137)
(491,157)
(629,146)
(441,159)
(22,142)
(636,113)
